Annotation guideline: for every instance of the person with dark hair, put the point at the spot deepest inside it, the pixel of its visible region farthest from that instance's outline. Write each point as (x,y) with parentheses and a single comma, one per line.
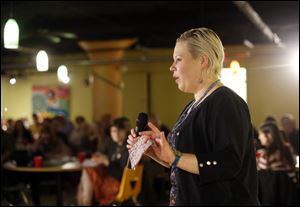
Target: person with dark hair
(292,133)
(101,180)
(36,126)
(7,146)
(106,121)
(278,177)
(51,146)
(80,136)
(22,136)
(23,146)
(270,118)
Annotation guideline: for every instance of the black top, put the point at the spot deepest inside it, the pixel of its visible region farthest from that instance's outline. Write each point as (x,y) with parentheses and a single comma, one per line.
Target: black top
(117,156)
(219,132)
(294,140)
(278,188)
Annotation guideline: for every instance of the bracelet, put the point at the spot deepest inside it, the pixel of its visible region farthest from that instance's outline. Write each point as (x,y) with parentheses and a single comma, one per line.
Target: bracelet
(178,155)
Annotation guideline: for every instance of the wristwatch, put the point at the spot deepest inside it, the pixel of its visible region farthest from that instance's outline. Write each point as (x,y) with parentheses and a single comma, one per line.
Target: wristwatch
(178,154)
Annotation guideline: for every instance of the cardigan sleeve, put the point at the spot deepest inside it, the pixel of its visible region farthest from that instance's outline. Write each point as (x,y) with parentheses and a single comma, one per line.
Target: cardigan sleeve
(228,132)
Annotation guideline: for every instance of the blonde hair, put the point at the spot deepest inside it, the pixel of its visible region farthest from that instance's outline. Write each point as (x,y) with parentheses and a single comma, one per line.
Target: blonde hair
(205,41)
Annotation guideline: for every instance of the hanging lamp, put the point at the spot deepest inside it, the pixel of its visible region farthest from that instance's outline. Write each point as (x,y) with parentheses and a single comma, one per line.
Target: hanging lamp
(42,61)
(62,74)
(11,34)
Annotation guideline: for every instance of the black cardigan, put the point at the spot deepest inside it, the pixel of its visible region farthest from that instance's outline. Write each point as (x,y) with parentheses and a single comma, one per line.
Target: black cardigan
(219,132)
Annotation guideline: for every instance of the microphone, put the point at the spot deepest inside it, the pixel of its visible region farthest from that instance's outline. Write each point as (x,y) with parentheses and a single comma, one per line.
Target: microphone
(141,122)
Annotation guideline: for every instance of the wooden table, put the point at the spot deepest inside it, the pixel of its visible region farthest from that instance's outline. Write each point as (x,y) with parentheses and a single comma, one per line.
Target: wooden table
(58,170)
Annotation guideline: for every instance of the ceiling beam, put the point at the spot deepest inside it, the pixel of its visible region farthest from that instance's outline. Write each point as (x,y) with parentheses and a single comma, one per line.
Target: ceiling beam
(254,17)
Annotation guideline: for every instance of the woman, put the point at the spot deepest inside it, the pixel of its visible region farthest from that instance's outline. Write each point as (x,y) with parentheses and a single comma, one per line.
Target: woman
(22,143)
(102,180)
(278,177)
(210,149)
(22,136)
(51,146)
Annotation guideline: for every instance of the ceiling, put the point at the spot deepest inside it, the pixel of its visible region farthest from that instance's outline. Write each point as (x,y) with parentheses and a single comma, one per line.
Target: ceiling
(58,26)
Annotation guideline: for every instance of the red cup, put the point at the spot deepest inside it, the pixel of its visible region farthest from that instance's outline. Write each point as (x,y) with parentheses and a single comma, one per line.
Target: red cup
(38,161)
(258,154)
(81,156)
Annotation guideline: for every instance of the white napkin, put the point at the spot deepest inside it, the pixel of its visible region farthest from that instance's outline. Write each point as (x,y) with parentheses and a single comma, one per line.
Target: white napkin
(138,149)
(89,163)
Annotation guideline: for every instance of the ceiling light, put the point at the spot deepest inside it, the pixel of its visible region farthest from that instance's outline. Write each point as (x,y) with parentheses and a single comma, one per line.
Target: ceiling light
(12,80)
(42,61)
(248,43)
(62,74)
(11,34)
(65,80)
(62,71)
(234,65)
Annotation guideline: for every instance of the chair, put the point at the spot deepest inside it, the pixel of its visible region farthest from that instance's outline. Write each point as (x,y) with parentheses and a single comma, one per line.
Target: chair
(15,195)
(131,184)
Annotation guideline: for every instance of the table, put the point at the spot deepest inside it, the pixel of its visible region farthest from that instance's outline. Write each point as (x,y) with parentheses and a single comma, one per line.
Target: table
(58,170)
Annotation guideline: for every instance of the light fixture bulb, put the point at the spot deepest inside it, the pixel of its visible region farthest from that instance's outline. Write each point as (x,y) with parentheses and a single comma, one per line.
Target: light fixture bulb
(11,34)
(42,62)
(234,65)
(62,72)
(12,81)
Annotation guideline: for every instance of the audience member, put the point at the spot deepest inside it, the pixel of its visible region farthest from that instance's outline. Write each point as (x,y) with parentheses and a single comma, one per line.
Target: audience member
(106,120)
(271,118)
(50,146)
(79,135)
(36,126)
(277,174)
(7,146)
(102,181)
(289,127)
(153,118)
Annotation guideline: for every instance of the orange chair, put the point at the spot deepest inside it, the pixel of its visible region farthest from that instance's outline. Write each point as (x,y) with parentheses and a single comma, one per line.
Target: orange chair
(131,184)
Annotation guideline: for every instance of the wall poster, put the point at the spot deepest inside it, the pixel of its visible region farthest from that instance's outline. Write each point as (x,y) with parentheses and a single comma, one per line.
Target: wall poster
(51,100)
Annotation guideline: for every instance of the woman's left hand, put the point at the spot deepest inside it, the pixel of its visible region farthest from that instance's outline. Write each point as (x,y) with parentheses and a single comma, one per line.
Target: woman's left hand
(161,147)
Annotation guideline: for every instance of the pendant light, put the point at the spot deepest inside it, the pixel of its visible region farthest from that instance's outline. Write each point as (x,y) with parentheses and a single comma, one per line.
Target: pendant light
(11,33)
(42,61)
(62,74)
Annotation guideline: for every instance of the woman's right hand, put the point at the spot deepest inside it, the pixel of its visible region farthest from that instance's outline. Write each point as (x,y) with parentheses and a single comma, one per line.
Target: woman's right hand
(132,138)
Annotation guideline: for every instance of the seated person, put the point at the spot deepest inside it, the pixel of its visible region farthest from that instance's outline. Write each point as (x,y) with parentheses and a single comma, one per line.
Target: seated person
(103,180)
(50,146)
(7,146)
(292,133)
(23,144)
(277,174)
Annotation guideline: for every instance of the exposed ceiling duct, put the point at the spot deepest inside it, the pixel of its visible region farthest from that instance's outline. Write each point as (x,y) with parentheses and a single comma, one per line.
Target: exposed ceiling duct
(247,9)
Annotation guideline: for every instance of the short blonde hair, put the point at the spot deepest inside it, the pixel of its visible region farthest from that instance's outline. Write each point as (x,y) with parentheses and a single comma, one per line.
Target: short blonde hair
(205,41)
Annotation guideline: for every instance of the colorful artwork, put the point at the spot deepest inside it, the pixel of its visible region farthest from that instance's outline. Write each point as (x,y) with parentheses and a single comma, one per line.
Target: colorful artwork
(51,101)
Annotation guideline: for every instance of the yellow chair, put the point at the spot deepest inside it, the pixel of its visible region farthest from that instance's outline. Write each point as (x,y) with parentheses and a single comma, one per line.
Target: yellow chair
(131,184)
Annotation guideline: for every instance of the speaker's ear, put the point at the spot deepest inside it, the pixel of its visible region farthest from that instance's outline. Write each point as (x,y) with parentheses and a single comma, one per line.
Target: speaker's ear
(204,60)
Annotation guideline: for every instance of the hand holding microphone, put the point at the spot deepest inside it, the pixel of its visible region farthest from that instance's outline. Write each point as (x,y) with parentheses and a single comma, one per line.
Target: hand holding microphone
(141,124)
(137,145)
(153,139)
